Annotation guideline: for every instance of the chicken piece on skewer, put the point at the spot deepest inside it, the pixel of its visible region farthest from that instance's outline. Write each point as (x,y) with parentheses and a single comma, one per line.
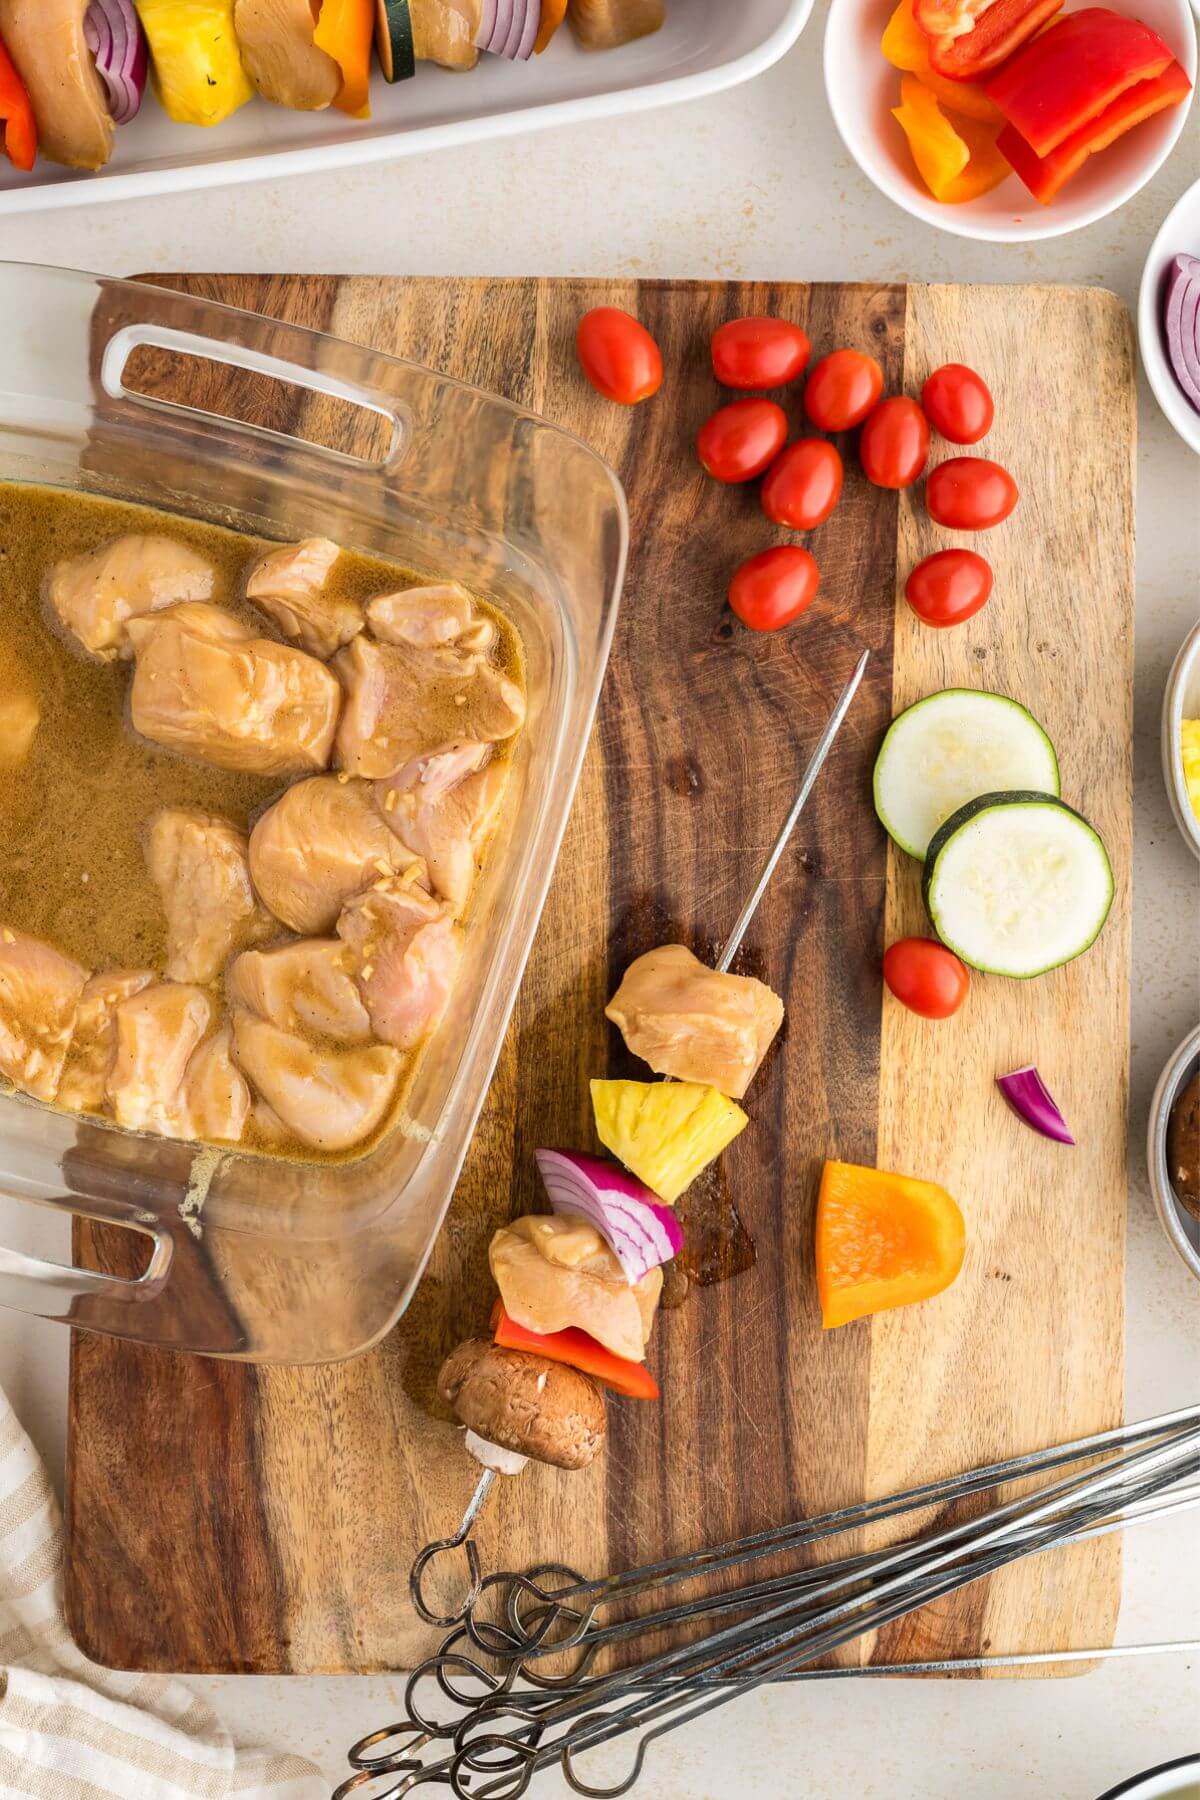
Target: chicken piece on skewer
(695,1023)
(607,24)
(556,1273)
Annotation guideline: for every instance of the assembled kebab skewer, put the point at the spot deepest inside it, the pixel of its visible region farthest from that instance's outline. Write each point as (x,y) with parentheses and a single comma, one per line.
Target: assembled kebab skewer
(518,1406)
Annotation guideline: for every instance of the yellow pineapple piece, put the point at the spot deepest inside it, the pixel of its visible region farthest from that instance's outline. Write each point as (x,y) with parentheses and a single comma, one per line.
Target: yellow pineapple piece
(1190,741)
(665,1132)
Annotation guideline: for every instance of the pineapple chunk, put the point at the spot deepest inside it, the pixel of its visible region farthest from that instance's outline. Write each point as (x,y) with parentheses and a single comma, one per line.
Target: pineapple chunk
(665,1132)
(1190,734)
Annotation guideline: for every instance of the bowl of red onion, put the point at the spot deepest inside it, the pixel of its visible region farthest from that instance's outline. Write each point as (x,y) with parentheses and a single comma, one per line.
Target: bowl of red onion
(1169,317)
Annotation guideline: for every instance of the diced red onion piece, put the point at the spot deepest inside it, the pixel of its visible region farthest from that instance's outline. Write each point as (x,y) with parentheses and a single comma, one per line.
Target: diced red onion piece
(1031,1100)
(115,38)
(640,1231)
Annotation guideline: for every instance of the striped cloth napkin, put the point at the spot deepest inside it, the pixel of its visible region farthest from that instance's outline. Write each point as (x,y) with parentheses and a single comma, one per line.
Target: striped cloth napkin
(70,1730)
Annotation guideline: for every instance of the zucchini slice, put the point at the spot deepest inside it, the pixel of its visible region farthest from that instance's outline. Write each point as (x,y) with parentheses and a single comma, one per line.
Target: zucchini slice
(1017,883)
(950,748)
(394,39)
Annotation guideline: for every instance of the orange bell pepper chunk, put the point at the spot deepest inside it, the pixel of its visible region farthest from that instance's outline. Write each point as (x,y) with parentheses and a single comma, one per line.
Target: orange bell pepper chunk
(20,126)
(907,48)
(986,168)
(553,14)
(882,1241)
(938,151)
(1045,176)
(346,31)
(1065,77)
(1001,30)
(579,1349)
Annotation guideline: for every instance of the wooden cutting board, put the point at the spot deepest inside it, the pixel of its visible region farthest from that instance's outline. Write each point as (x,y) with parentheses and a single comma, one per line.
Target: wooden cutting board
(222,1517)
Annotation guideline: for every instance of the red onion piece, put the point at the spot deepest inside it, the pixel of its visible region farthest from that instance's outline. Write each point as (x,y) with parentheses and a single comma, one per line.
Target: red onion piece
(113,34)
(1181,324)
(640,1231)
(487,25)
(1031,1100)
(504,18)
(533,19)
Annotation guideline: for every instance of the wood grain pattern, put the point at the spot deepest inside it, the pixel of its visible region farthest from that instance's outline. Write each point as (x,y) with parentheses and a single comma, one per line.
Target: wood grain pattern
(228,1518)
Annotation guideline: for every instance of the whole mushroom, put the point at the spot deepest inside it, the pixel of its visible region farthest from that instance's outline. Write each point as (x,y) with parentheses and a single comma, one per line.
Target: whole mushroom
(525,1404)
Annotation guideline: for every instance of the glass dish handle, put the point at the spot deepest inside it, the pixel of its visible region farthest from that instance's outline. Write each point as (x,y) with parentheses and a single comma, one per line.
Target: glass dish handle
(134,1307)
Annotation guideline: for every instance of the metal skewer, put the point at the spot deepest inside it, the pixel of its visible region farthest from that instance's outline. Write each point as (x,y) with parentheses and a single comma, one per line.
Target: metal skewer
(462,1538)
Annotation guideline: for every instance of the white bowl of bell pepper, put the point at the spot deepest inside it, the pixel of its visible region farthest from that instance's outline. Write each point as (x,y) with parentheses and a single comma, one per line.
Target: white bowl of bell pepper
(1010,119)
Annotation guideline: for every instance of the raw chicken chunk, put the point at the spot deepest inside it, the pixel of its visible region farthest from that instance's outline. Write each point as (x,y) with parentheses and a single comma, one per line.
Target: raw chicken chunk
(686,1020)
(198,864)
(156,1032)
(329,1099)
(442,808)
(93,597)
(408,949)
(322,841)
(555,1273)
(306,987)
(39,997)
(20,716)
(404,701)
(94,1042)
(214,1097)
(428,616)
(280,55)
(205,686)
(446,32)
(607,24)
(289,586)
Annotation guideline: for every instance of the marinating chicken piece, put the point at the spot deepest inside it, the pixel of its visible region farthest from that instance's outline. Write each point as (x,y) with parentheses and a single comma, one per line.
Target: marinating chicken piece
(214,1100)
(442,808)
(427,616)
(289,585)
(557,1272)
(205,686)
(686,1020)
(404,701)
(607,24)
(280,56)
(322,841)
(20,716)
(329,1099)
(408,949)
(198,864)
(95,1037)
(306,987)
(47,42)
(93,597)
(156,1032)
(446,31)
(39,998)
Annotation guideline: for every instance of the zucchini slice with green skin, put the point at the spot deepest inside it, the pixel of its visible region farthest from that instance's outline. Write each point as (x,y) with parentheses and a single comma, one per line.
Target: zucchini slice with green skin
(1017,884)
(394,39)
(949,748)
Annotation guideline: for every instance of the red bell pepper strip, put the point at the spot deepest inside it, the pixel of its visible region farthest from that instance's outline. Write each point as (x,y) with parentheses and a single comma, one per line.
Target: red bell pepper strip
(579,1349)
(1056,84)
(1000,31)
(20,127)
(1045,175)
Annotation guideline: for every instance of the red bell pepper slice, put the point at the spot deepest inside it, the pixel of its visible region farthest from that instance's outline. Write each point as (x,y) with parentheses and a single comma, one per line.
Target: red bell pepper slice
(579,1349)
(999,31)
(1045,175)
(1056,84)
(20,127)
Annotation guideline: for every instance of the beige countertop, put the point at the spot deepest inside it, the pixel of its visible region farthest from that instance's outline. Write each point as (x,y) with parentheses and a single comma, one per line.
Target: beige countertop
(754,183)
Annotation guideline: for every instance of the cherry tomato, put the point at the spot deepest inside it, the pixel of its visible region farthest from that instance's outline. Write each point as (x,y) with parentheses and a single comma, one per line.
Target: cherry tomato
(803,484)
(948,587)
(759,353)
(842,389)
(742,439)
(957,403)
(969,493)
(894,443)
(618,355)
(774,587)
(926,977)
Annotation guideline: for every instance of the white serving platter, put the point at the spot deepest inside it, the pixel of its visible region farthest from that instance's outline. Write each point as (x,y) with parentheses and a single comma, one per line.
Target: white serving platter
(706,45)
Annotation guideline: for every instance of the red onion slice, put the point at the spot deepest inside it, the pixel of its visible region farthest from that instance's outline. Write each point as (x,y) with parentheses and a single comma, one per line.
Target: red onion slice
(1181,324)
(640,1231)
(504,18)
(1031,1100)
(533,19)
(487,25)
(113,34)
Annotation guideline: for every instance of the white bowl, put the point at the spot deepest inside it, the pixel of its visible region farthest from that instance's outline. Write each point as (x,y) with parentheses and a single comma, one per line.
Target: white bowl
(1180,231)
(863,88)
(1179,1224)
(1181,1777)
(1181,701)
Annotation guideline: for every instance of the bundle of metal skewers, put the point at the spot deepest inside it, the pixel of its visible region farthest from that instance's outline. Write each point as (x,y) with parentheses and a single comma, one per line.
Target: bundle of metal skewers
(494,1706)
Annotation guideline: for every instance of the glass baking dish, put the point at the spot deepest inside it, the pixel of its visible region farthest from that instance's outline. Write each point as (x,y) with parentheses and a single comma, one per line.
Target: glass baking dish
(254,1258)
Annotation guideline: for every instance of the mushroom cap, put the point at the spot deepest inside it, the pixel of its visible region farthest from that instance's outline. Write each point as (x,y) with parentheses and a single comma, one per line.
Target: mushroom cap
(525,1403)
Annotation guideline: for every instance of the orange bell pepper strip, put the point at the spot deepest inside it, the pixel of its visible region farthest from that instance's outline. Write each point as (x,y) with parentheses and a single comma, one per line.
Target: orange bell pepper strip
(20,126)
(346,31)
(882,1241)
(553,14)
(1045,176)
(986,167)
(997,34)
(907,48)
(937,149)
(1074,71)
(580,1350)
